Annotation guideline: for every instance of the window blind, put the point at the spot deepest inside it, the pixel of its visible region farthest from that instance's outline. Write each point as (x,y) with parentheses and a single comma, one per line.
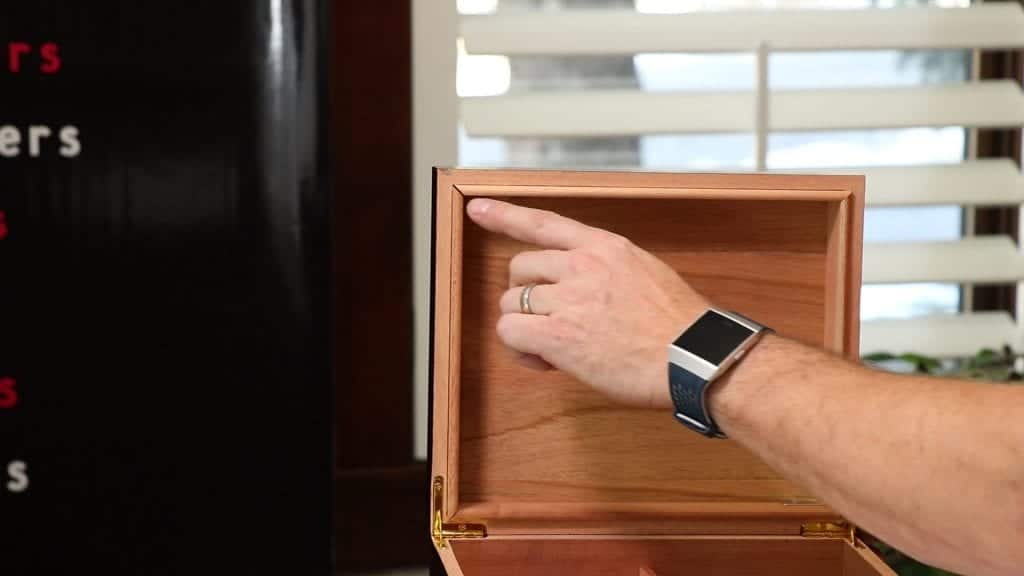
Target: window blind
(764,110)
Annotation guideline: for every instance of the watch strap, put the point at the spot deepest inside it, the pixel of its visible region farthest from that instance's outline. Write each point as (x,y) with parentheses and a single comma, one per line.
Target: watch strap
(687,390)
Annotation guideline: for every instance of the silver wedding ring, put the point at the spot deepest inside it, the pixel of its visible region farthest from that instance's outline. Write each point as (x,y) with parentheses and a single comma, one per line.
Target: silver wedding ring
(524,299)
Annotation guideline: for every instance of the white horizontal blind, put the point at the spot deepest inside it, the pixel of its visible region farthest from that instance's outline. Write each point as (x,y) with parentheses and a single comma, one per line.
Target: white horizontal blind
(991,26)
(990,104)
(633,112)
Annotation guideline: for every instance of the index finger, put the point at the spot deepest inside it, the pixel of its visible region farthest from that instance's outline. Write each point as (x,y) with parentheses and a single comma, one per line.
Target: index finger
(539,227)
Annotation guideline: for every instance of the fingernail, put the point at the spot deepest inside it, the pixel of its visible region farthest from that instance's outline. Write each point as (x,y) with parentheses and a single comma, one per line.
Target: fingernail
(478,207)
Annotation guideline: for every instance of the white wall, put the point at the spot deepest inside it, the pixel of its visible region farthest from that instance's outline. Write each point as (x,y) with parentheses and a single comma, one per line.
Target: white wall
(435,143)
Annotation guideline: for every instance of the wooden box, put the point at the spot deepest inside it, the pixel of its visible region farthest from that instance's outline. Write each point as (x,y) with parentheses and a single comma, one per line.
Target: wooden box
(534,473)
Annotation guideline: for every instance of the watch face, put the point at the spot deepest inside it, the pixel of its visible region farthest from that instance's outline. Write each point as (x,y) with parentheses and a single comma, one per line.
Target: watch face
(713,337)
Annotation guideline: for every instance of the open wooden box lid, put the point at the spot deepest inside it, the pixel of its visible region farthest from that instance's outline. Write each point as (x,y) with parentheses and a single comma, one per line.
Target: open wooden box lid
(519,453)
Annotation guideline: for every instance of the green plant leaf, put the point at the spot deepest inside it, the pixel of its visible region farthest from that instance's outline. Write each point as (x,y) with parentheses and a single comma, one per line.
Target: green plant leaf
(921,363)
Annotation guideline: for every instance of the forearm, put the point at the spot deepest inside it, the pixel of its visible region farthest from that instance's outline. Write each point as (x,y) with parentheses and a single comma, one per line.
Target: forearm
(932,466)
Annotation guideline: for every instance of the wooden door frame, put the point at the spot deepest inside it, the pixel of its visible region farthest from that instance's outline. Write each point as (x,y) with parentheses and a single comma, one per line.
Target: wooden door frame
(381,490)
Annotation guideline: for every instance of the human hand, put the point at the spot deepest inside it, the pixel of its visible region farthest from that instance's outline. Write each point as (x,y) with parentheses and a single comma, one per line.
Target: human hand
(604,310)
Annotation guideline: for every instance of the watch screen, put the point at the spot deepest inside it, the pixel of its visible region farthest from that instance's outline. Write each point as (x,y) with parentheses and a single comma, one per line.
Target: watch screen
(713,337)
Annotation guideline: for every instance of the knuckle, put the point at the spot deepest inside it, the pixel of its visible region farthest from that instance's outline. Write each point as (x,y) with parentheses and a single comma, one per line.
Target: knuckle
(505,327)
(619,243)
(580,293)
(567,298)
(517,261)
(561,332)
(507,298)
(541,219)
(580,261)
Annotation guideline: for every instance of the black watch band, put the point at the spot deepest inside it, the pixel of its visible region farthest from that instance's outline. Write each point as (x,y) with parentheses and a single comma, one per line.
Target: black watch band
(688,393)
(699,356)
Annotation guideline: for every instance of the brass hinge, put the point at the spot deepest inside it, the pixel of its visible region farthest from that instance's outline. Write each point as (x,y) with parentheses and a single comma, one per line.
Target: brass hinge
(838,529)
(442,531)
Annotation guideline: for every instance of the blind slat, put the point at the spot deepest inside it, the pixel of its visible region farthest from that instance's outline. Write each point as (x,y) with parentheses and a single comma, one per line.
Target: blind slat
(618,32)
(984,182)
(997,103)
(977,259)
(943,336)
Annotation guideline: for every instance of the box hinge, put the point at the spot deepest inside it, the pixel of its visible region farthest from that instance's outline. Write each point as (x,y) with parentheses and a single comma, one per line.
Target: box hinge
(442,531)
(830,529)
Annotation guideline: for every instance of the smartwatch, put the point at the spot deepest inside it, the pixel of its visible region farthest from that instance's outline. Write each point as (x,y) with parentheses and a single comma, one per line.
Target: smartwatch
(699,355)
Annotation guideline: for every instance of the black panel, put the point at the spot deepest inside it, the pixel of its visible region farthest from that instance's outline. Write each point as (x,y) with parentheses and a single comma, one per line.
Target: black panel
(712,337)
(164,286)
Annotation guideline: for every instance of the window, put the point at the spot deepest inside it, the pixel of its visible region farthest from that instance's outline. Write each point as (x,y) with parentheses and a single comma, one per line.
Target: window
(818,73)
(887,88)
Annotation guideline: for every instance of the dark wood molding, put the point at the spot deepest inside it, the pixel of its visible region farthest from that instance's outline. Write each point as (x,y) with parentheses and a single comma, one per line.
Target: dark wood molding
(372,134)
(999,144)
(382,493)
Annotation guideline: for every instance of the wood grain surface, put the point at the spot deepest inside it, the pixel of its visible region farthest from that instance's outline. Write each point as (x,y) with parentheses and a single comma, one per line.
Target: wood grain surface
(520,448)
(664,557)
(545,437)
